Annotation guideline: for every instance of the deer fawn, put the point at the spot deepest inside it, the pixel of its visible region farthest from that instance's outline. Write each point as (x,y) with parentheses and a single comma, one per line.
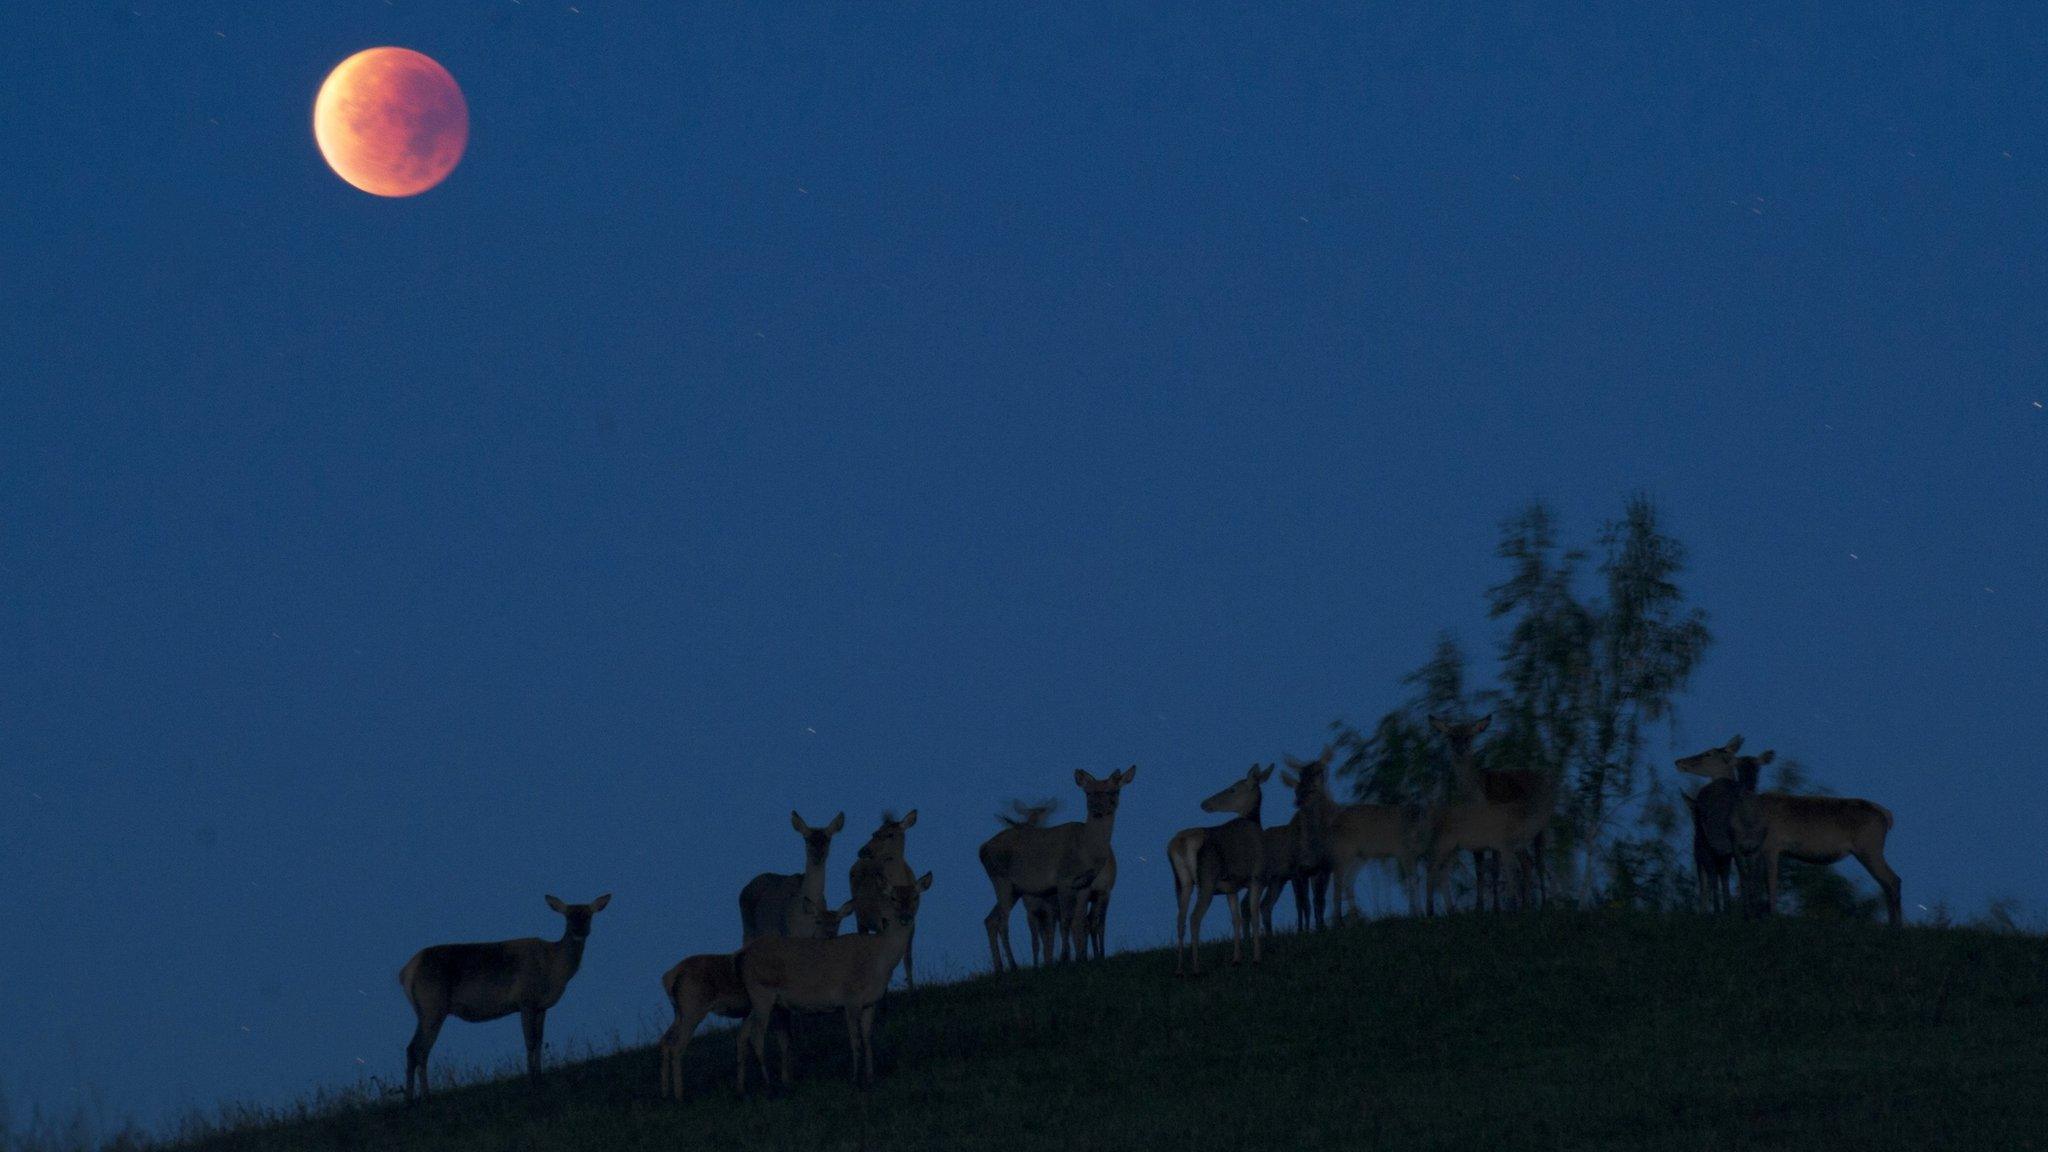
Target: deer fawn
(486,981)
(1071,864)
(709,985)
(1229,858)
(772,903)
(1041,913)
(849,973)
(879,867)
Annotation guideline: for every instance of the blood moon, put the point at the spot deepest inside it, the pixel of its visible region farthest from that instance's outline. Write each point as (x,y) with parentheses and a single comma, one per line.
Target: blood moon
(391,121)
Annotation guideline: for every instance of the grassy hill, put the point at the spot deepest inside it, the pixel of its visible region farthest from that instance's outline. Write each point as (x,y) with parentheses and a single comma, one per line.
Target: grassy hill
(1552,1031)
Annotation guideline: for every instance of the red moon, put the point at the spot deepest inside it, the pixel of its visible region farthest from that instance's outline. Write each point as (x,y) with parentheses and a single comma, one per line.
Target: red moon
(391,121)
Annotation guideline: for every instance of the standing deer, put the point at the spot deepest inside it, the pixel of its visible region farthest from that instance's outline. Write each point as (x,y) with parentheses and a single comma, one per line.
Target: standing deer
(1354,835)
(772,903)
(850,973)
(1505,813)
(1229,858)
(1041,913)
(708,985)
(1313,863)
(1071,864)
(1713,808)
(479,982)
(1495,786)
(1766,826)
(879,867)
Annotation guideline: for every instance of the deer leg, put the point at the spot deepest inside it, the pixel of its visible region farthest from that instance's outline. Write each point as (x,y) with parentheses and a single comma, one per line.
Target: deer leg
(1098,923)
(909,969)
(1183,888)
(853,1039)
(1771,883)
(531,1022)
(783,1024)
(998,923)
(867,1039)
(1888,880)
(1202,898)
(1230,901)
(1319,886)
(1252,925)
(423,1035)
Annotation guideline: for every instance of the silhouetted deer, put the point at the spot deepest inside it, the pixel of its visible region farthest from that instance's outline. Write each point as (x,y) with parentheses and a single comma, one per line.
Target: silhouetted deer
(850,973)
(1071,864)
(771,903)
(1496,815)
(486,981)
(709,985)
(1229,858)
(1814,829)
(878,867)
(1712,808)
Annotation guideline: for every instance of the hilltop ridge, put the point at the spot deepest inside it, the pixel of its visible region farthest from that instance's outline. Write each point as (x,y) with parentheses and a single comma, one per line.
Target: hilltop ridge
(1562,1030)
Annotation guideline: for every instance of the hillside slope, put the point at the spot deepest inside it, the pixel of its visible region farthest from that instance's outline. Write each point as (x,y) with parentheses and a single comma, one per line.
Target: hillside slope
(1553,1031)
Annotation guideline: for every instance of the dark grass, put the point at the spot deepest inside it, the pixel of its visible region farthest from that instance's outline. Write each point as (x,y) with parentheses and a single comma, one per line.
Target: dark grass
(1551,1031)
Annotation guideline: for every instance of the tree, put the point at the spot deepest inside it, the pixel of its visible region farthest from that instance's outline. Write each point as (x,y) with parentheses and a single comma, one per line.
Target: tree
(1582,685)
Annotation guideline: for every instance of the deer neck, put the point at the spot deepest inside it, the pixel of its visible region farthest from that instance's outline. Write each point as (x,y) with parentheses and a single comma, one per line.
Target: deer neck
(813,884)
(1095,831)
(564,957)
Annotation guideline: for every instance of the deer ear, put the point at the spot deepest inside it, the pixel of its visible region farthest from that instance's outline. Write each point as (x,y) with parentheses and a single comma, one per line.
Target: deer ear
(837,823)
(797,822)
(1265,774)
(1129,774)
(598,904)
(1734,743)
(1768,756)
(1084,779)
(924,882)
(1290,780)
(911,819)
(557,905)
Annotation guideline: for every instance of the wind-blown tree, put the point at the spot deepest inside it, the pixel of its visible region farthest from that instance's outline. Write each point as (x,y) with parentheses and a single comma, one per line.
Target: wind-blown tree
(1583,684)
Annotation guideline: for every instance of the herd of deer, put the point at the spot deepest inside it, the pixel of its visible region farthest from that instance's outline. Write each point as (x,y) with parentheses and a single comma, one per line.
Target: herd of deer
(793,958)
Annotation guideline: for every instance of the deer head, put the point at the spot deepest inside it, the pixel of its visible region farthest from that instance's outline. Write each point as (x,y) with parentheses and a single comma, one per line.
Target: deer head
(1242,797)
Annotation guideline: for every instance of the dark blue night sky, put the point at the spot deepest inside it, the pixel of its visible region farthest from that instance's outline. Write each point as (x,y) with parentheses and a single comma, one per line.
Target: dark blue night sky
(849,406)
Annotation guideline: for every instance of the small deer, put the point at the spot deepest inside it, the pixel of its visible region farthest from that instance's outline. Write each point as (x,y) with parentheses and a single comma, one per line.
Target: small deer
(1766,826)
(1712,809)
(880,866)
(849,973)
(479,982)
(772,903)
(709,985)
(1229,859)
(1071,864)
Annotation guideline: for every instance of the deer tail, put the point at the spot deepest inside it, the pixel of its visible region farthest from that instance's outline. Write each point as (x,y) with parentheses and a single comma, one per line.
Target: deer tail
(405,974)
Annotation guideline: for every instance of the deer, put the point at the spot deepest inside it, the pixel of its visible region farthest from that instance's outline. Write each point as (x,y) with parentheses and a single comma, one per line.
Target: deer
(1228,858)
(771,903)
(1766,826)
(1352,834)
(849,973)
(709,985)
(1505,813)
(1712,808)
(478,982)
(879,866)
(1071,864)
(1041,913)
(1496,786)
